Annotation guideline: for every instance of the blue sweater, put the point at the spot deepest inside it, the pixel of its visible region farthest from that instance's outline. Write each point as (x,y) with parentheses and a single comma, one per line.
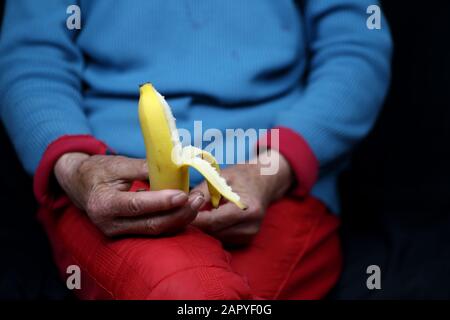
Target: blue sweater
(313,67)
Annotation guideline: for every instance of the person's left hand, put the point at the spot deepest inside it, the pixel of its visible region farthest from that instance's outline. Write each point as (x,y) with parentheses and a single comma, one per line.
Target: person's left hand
(233,225)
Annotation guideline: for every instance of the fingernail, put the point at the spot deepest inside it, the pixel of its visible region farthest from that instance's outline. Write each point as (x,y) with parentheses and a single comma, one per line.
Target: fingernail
(196,193)
(179,199)
(197,203)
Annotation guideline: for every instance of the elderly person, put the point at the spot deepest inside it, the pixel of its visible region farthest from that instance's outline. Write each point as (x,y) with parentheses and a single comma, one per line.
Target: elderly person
(68,98)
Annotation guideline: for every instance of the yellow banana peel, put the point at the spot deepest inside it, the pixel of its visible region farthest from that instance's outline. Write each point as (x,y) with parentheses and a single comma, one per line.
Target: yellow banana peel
(168,161)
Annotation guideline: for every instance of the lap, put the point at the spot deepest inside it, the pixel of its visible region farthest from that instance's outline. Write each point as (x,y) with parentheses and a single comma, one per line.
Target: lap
(297,244)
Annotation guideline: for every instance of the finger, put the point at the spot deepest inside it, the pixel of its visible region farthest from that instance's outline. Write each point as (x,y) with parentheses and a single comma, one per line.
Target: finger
(129,168)
(163,223)
(140,203)
(223,217)
(203,188)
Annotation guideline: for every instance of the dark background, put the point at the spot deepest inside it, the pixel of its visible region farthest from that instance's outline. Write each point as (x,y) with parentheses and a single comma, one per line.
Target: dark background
(396,196)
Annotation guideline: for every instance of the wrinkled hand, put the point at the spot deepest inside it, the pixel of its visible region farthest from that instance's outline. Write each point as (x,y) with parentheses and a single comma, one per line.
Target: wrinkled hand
(233,225)
(99,185)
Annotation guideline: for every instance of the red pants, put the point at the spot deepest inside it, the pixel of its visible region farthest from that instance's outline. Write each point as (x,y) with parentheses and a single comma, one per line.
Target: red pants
(296,255)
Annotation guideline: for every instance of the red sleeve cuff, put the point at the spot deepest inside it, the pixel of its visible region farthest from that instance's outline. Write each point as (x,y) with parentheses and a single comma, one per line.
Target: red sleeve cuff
(297,152)
(44,183)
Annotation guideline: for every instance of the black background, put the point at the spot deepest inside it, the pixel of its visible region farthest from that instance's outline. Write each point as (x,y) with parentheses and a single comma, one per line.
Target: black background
(396,196)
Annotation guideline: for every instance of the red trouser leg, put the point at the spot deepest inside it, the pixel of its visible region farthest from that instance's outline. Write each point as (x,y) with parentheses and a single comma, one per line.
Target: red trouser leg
(296,255)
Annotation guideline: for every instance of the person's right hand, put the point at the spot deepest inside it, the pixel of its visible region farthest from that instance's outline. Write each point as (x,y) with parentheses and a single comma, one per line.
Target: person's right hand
(99,185)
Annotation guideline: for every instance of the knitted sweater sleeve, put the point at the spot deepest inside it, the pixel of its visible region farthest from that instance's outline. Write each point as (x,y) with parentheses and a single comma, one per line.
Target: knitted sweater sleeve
(349,73)
(40,86)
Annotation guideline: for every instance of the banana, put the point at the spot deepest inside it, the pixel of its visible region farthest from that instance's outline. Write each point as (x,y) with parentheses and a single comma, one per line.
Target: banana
(168,161)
